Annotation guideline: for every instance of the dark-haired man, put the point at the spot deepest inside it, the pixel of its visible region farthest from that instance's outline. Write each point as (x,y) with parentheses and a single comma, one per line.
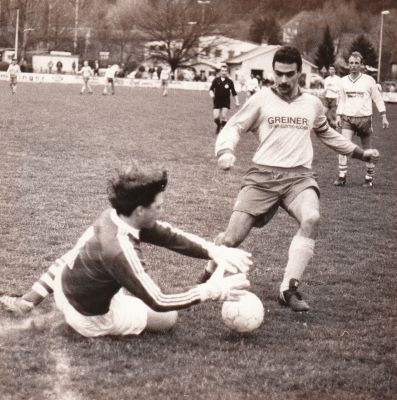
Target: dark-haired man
(283,118)
(221,89)
(101,285)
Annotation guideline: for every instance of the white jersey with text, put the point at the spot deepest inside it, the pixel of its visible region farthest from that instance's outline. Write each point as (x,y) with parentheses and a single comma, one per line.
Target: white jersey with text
(356,96)
(283,128)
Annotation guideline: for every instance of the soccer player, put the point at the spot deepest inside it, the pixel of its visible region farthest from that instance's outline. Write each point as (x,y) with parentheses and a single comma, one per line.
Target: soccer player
(283,118)
(252,85)
(354,113)
(110,74)
(220,91)
(101,286)
(87,74)
(331,94)
(165,76)
(13,70)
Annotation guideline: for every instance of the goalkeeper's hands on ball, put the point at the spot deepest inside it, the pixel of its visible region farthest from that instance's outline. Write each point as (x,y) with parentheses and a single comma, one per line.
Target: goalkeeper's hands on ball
(224,288)
(220,287)
(226,160)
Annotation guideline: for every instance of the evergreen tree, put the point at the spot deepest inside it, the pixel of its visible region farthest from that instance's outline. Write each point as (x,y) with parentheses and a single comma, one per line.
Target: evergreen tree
(325,55)
(365,47)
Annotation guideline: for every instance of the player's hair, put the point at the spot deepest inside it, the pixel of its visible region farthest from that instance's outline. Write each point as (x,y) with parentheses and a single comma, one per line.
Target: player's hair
(357,54)
(133,187)
(331,66)
(223,66)
(288,55)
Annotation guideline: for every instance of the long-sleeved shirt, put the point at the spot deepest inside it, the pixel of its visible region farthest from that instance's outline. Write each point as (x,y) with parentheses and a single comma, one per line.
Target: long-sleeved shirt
(356,96)
(108,257)
(13,70)
(86,71)
(332,86)
(283,128)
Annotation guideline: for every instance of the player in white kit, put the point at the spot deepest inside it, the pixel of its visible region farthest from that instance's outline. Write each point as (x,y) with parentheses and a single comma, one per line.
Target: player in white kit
(354,113)
(283,118)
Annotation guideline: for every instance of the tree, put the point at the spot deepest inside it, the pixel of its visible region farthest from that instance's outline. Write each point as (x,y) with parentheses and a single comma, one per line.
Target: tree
(325,55)
(177,26)
(265,29)
(365,47)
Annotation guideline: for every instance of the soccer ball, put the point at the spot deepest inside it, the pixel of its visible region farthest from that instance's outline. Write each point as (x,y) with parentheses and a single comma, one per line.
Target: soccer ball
(244,315)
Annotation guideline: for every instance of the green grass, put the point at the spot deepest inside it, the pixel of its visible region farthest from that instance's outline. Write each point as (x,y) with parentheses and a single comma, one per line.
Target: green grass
(58,149)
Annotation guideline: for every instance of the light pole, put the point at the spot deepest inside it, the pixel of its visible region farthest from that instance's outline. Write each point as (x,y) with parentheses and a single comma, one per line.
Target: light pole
(16,35)
(203,3)
(384,12)
(76,23)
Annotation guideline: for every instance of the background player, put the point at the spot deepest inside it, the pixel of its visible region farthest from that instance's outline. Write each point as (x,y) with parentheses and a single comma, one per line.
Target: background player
(101,285)
(331,94)
(110,75)
(281,173)
(165,76)
(87,73)
(13,70)
(220,91)
(354,113)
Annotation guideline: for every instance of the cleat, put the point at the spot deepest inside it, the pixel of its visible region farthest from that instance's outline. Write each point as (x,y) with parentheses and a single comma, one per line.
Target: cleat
(368,183)
(204,277)
(341,181)
(292,298)
(16,305)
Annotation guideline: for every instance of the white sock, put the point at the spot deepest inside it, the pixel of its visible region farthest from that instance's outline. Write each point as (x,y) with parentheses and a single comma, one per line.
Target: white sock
(300,253)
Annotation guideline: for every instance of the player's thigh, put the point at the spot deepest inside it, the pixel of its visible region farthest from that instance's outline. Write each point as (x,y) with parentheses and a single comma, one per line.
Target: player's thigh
(160,321)
(305,208)
(366,142)
(224,111)
(216,112)
(347,133)
(239,226)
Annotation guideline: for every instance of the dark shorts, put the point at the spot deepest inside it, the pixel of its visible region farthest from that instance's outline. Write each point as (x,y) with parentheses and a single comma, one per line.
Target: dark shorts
(110,80)
(361,126)
(221,103)
(266,188)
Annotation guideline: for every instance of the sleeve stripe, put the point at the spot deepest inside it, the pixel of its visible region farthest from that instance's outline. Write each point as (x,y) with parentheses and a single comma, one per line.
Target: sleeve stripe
(151,288)
(205,244)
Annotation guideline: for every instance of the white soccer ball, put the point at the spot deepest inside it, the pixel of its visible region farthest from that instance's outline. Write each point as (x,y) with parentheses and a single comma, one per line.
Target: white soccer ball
(244,315)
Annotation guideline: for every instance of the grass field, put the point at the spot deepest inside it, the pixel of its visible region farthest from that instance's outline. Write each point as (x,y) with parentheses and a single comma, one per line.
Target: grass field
(58,149)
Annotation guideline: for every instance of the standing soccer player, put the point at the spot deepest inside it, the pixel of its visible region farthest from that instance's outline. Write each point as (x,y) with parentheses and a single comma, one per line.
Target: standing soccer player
(102,287)
(13,70)
(165,76)
(221,89)
(331,94)
(87,73)
(110,74)
(283,118)
(354,113)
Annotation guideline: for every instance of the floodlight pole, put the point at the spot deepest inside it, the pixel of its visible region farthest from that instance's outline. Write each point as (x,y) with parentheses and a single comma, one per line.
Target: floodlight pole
(203,3)
(76,23)
(16,35)
(385,12)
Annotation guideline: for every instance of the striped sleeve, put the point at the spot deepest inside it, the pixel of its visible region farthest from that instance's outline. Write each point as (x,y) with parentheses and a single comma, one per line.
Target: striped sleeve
(165,235)
(129,272)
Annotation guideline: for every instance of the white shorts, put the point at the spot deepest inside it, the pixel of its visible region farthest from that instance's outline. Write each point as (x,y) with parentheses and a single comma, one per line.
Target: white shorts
(127,314)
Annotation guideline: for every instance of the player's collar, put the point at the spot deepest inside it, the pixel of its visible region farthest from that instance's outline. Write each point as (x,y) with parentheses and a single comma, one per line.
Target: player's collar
(289,99)
(123,226)
(355,80)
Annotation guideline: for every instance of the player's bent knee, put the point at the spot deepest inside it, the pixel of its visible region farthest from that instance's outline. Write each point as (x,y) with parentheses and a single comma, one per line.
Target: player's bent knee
(311,223)
(161,321)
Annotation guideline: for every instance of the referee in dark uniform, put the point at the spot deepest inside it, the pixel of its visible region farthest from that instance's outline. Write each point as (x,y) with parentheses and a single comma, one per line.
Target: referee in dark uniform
(220,91)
